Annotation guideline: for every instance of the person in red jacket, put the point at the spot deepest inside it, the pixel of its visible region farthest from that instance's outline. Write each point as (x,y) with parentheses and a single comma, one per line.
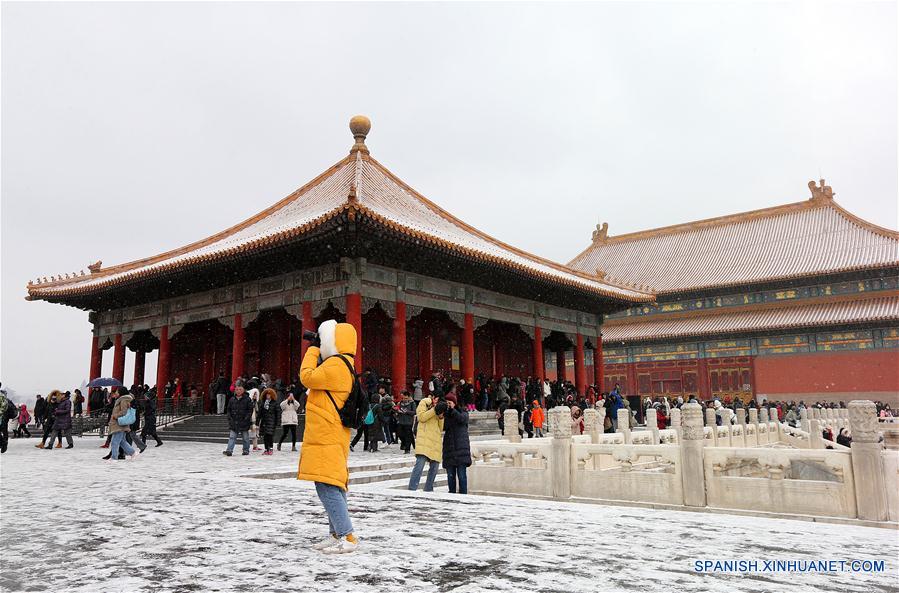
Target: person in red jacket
(538,417)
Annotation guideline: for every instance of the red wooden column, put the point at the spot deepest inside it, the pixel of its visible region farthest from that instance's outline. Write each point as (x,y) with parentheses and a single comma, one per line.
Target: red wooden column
(118,359)
(96,359)
(599,373)
(354,318)
(561,369)
(162,364)
(139,364)
(307,325)
(398,354)
(237,348)
(539,365)
(580,373)
(468,348)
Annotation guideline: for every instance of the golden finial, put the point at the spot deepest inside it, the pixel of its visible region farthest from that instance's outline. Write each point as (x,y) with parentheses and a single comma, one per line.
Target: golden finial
(360,126)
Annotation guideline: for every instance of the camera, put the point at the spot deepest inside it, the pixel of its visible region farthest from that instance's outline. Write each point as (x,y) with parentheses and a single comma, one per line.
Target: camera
(310,336)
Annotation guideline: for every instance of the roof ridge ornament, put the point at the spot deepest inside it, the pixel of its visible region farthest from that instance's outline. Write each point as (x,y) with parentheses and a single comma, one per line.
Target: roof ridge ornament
(95,267)
(360,126)
(601,234)
(820,193)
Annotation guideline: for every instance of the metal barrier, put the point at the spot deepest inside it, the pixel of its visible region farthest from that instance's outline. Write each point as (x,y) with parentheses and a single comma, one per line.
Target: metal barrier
(168,410)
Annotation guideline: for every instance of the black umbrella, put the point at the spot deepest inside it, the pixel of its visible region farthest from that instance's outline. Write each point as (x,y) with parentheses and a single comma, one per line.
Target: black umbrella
(105,382)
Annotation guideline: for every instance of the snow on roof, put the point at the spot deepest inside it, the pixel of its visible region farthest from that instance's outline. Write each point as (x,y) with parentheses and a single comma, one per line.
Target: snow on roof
(812,237)
(357,183)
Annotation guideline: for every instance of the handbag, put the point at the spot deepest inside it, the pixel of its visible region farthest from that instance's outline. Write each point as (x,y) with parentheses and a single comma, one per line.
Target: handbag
(370,417)
(128,418)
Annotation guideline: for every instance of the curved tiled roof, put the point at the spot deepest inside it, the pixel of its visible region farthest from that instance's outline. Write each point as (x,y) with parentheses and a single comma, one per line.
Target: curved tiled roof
(806,238)
(356,184)
(819,314)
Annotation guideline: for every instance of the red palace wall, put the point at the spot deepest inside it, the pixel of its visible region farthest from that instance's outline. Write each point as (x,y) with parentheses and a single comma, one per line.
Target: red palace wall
(830,372)
(828,376)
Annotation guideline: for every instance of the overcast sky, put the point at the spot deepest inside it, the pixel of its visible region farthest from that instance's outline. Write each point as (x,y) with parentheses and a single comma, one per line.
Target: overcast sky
(129,129)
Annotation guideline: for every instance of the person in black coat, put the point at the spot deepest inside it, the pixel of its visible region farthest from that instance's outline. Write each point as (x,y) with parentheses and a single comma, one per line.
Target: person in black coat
(49,418)
(456,446)
(267,418)
(133,437)
(240,413)
(150,420)
(40,409)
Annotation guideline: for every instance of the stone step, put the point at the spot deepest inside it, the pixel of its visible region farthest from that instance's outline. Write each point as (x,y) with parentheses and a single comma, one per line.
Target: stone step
(165,436)
(385,476)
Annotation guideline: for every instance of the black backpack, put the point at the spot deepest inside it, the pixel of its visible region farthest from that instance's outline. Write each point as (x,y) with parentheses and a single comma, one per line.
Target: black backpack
(356,406)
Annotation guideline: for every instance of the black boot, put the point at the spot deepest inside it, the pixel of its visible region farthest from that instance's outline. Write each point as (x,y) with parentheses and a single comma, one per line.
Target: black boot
(107,456)
(158,443)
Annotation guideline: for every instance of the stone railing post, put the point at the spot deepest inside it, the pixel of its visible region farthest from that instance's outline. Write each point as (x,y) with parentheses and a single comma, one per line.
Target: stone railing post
(741,416)
(709,421)
(560,454)
(815,438)
(754,418)
(652,424)
(624,424)
(867,462)
(803,419)
(677,422)
(692,471)
(590,420)
(510,425)
(600,421)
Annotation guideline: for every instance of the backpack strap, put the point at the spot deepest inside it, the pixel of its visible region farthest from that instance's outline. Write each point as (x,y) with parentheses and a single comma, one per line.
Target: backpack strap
(352,374)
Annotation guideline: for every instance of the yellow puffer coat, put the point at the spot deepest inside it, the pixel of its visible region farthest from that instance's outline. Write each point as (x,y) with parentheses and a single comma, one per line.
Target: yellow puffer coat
(429,438)
(326,441)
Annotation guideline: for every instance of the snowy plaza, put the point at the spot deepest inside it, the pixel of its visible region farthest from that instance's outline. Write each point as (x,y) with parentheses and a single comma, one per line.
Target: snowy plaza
(184,518)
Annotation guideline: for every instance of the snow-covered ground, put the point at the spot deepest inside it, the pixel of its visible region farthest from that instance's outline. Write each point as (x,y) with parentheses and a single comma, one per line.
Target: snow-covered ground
(183,518)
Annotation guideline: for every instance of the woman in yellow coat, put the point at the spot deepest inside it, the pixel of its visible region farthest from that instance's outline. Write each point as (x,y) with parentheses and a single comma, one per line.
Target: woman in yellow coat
(428,441)
(326,441)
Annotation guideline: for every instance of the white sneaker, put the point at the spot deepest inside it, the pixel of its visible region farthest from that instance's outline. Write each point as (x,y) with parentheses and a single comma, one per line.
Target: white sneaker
(325,543)
(135,456)
(343,546)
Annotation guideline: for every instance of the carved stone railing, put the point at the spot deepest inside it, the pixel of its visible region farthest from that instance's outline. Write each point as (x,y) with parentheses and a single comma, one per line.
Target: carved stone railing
(760,465)
(515,468)
(642,473)
(801,481)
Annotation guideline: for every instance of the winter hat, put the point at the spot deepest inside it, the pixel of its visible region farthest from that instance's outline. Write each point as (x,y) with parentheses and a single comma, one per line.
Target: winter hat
(451,397)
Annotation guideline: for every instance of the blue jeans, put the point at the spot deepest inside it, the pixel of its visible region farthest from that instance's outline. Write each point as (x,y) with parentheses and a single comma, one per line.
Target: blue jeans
(232,438)
(334,501)
(415,478)
(452,473)
(118,440)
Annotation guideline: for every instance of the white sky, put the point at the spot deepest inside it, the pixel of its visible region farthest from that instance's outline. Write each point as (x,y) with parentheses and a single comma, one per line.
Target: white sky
(130,128)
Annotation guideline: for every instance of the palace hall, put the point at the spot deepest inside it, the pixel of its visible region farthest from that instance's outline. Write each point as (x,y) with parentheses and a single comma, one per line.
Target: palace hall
(424,290)
(799,300)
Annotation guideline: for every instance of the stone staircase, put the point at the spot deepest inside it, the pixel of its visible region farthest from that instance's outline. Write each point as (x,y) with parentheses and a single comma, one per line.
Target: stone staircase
(201,429)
